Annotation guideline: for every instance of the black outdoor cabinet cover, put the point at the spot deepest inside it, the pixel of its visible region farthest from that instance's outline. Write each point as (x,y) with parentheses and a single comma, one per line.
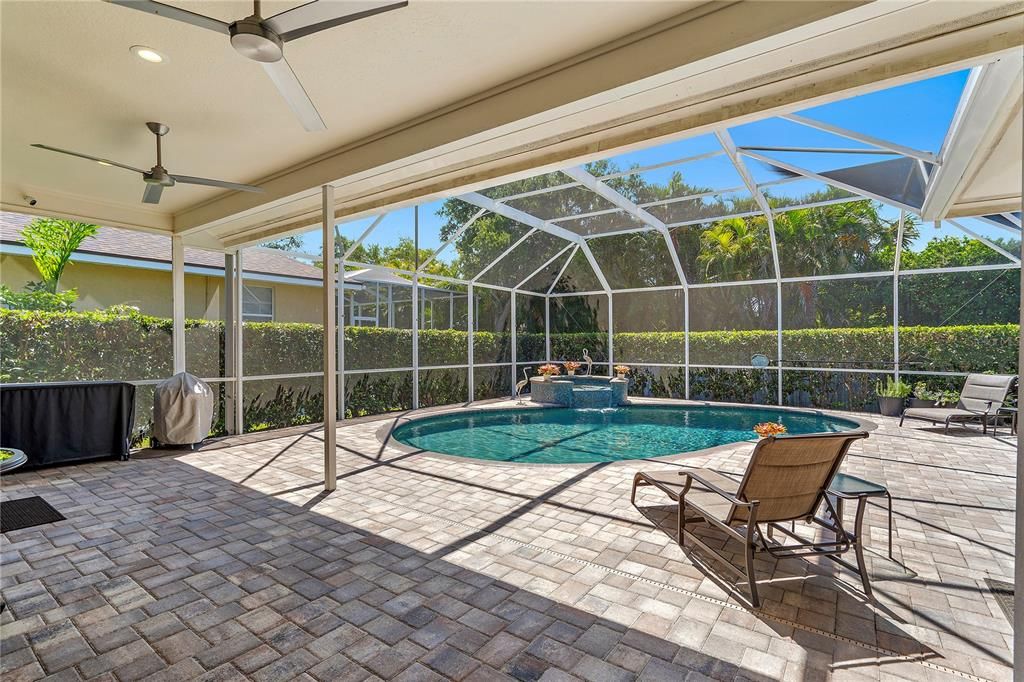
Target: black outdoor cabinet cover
(65,422)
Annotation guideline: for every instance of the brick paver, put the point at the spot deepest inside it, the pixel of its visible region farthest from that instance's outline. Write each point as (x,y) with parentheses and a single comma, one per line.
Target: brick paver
(231,563)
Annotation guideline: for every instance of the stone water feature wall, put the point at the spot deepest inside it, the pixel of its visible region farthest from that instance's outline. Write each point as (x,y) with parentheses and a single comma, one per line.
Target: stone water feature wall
(579,391)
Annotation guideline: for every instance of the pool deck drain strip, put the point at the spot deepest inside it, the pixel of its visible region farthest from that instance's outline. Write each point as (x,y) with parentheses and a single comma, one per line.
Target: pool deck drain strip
(896,656)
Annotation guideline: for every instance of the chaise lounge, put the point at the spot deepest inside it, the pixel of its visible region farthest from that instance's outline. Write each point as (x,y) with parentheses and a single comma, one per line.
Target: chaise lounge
(980,400)
(786,479)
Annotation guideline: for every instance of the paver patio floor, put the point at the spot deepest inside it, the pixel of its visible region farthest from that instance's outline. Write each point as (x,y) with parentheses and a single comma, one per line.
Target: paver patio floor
(231,563)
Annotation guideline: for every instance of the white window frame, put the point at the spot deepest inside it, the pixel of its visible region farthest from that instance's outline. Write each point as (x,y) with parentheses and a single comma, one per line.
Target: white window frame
(258,317)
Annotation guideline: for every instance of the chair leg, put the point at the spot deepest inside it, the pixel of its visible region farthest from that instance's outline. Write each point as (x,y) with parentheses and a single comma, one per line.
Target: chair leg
(751,578)
(901,420)
(680,522)
(632,495)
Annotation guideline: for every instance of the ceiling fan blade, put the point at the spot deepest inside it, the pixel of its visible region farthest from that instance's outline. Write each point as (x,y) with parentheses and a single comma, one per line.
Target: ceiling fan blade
(160,9)
(190,180)
(320,15)
(152,194)
(97,159)
(291,89)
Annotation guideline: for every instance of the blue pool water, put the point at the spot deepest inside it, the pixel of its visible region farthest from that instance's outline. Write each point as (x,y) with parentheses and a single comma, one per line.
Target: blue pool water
(568,436)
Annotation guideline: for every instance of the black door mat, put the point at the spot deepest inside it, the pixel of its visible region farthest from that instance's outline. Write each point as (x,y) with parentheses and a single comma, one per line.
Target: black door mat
(25,513)
(1003,592)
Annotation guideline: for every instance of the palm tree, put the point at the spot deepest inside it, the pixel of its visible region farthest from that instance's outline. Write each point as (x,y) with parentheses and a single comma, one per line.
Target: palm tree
(734,249)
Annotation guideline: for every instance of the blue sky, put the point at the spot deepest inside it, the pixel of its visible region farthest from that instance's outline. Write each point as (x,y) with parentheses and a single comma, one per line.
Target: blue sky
(915,115)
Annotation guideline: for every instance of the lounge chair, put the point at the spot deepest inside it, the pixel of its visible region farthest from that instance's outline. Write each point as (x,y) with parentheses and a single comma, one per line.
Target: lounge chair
(786,480)
(980,400)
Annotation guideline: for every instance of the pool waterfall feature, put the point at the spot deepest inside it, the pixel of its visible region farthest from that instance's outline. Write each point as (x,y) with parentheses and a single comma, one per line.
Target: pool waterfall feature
(581,392)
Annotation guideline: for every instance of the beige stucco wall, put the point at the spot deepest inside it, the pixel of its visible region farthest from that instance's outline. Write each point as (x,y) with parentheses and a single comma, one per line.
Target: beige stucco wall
(101,286)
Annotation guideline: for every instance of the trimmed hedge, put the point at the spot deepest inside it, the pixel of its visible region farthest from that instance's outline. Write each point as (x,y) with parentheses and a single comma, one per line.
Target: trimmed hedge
(52,346)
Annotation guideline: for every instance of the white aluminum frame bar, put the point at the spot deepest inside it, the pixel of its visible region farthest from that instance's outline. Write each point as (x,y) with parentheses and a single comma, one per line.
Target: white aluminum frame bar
(366,233)
(662,164)
(817,150)
(896,296)
(451,240)
(862,137)
(984,240)
(562,271)
(602,190)
(548,262)
(792,168)
(330,385)
(532,221)
(471,326)
(501,256)
(238,321)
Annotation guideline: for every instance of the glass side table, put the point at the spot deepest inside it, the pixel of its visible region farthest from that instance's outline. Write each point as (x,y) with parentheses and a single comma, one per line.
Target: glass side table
(845,487)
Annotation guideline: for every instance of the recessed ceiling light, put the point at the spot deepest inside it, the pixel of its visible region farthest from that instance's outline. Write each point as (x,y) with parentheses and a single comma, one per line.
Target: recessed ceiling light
(147,54)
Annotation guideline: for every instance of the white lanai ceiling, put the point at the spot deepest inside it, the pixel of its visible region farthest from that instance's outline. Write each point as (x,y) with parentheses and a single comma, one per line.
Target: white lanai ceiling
(443,97)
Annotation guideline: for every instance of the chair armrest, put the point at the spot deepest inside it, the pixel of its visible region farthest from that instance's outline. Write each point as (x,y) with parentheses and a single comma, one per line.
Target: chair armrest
(714,488)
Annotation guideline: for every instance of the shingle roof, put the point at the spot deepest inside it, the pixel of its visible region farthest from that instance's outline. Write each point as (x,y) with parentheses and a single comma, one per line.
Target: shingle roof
(144,246)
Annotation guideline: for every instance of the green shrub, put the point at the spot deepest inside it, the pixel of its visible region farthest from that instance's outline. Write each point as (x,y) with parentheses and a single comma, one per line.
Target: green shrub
(38,345)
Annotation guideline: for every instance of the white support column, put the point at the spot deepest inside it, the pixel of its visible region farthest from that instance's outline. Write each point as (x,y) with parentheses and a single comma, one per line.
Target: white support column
(341,337)
(230,330)
(547,329)
(686,341)
(178,302)
(778,349)
(470,327)
(330,381)
(515,342)
(391,307)
(416,311)
(611,336)
(237,322)
(1018,545)
(896,297)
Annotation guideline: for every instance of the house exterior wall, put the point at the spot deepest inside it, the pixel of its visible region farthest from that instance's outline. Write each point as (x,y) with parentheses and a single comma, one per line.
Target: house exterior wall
(101,286)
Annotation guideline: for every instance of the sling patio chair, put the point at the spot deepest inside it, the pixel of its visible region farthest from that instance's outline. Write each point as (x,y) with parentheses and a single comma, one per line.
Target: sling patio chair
(786,479)
(980,400)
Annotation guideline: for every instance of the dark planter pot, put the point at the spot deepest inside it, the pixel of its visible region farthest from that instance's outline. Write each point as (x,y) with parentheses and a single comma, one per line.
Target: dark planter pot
(890,407)
(917,402)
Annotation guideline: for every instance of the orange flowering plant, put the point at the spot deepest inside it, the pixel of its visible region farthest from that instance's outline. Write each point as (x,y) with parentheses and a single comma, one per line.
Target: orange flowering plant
(571,365)
(765,429)
(549,370)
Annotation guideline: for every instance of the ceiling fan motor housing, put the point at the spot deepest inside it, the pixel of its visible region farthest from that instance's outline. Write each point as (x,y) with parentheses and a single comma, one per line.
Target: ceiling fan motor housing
(254,41)
(158,176)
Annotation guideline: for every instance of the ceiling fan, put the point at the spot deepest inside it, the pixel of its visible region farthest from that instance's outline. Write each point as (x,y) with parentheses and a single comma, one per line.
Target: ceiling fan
(262,40)
(157,177)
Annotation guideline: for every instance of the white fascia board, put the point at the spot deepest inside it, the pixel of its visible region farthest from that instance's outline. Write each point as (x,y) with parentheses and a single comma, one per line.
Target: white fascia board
(162,266)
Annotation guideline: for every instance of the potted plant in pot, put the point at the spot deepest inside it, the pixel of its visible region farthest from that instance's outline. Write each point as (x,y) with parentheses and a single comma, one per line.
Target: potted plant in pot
(570,367)
(547,371)
(620,371)
(891,396)
(923,397)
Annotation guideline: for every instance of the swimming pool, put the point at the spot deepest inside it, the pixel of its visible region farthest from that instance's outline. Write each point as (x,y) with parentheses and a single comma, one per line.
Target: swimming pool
(573,436)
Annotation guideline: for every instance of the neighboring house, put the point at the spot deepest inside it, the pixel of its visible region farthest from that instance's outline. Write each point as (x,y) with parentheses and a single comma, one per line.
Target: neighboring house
(134,268)
(120,266)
